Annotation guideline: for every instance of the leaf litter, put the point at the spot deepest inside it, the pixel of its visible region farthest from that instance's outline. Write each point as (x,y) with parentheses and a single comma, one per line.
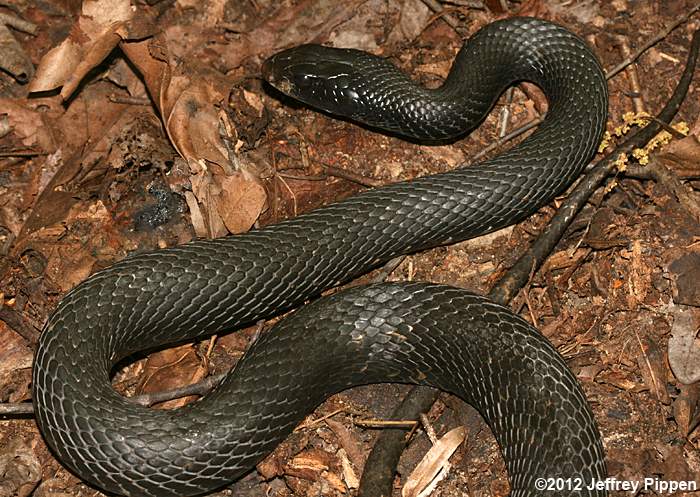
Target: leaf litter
(131,99)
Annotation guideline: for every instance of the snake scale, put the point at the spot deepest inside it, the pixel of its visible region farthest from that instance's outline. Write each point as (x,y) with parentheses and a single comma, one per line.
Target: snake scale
(412,333)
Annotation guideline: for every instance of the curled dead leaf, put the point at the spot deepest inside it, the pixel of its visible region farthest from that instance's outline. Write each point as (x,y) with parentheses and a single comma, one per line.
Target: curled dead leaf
(27,124)
(310,464)
(169,369)
(686,408)
(684,344)
(13,58)
(685,152)
(240,201)
(20,469)
(100,27)
(225,204)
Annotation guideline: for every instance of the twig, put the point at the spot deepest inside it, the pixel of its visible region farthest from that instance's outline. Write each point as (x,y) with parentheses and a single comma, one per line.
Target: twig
(17,323)
(663,175)
(652,41)
(199,388)
(510,136)
(119,99)
(517,276)
(16,409)
(22,153)
(643,172)
(633,78)
(435,6)
(18,24)
(386,423)
(350,176)
(377,478)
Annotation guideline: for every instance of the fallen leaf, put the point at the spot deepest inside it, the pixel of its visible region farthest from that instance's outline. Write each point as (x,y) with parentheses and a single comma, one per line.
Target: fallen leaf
(349,442)
(20,469)
(685,274)
(310,463)
(170,369)
(28,125)
(100,27)
(684,344)
(686,408)
(652,366)
(240,201)
(200,227)
(15,364)
(13,58)
(685,153)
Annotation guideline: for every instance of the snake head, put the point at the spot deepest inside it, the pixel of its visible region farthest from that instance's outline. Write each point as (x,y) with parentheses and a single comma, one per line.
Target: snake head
(319,76)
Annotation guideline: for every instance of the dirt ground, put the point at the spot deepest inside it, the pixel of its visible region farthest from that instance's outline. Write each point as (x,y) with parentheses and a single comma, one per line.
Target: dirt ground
(128,130)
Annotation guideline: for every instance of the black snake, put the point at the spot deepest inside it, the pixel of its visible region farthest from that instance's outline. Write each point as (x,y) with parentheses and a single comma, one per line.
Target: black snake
(415,333)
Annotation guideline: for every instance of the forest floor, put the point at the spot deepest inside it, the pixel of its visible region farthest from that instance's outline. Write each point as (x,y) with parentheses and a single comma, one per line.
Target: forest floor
(166,133)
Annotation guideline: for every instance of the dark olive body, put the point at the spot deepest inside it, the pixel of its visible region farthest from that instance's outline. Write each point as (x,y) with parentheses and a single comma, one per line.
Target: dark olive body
(412,333)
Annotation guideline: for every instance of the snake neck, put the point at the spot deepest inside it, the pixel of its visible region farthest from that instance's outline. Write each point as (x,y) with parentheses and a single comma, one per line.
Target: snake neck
(498,56)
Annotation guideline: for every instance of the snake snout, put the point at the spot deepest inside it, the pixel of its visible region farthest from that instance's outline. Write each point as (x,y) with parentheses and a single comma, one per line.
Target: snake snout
(322,77)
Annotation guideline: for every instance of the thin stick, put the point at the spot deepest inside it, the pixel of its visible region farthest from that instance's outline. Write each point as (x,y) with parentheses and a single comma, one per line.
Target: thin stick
(652,41)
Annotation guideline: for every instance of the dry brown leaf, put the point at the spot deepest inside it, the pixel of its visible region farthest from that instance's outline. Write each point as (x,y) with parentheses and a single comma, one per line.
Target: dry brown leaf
(187,98)
(192,119)
(240,201)
(349,442)
(13,58)
(15,364)
(310,463)
(205,191)
(686,408)
(100,27)
(69,264)
(434,463)
(14,353)
(684,152)
(618,379)
(170,369)
(265,39)
(231,204)
(27,124)
(20,468)
(652,366)
(200,227)
(150,57)
(684,344)
(122,75)
(213,10)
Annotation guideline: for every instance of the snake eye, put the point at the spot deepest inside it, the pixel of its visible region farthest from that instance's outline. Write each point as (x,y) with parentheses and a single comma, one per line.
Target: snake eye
(302,80)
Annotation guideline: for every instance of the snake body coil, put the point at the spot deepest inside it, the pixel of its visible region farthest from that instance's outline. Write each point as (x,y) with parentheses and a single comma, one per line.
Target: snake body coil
(416,333)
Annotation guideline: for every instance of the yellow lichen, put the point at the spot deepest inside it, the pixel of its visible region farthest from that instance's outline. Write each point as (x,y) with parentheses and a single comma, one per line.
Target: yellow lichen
(605,142)
(610,186)
(621,162)
(631,119)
